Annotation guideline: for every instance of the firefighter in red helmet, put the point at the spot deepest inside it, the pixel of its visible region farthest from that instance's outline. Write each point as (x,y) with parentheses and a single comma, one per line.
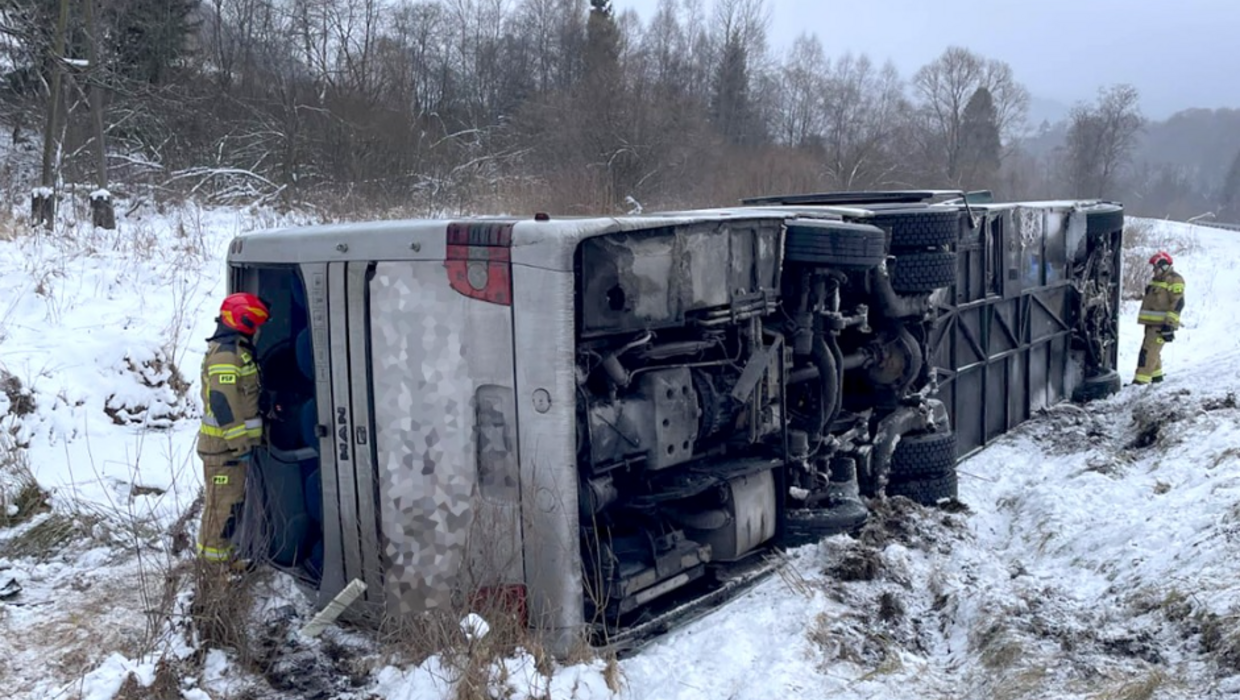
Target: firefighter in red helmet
(232,424)
(1160,314)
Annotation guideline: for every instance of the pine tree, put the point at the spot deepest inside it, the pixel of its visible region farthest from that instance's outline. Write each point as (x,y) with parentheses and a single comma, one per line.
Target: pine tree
(601,84)
(602,58)
(980,146)
(730,107)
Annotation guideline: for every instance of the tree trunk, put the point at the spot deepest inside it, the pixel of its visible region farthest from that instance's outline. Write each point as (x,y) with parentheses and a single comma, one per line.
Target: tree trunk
(43,200)
(102,213)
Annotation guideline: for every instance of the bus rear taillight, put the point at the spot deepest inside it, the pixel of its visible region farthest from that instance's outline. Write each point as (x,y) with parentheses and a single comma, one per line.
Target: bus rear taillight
(508,600)
(479,261)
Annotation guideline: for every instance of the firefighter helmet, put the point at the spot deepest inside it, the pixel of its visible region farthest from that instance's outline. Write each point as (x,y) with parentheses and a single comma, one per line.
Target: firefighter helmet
(243,312)
(1161,257)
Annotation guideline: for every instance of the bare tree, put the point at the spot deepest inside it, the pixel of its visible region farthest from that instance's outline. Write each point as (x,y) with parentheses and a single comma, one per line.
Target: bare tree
(863,114)
(103,214)
(943,88)
(43,201)
(563,103)
(665,48)
(1101,140)
(799,118)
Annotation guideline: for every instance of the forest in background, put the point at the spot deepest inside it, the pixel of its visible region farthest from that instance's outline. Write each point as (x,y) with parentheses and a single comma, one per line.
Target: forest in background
(566,106)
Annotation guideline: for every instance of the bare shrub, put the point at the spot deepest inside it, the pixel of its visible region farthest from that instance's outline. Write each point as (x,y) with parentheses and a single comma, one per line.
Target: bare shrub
(165,686)
(21,497)
(169,387)
(1141,240)
(479,627)
(1220,638)
(20,399)
(472,638)
(10,226)
(220,612)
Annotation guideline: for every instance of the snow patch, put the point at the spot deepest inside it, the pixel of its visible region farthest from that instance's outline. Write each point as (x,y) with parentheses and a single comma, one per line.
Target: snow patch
(1096,554)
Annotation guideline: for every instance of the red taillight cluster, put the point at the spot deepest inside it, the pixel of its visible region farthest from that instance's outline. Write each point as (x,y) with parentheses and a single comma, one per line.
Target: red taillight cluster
(479,261)
(507,599)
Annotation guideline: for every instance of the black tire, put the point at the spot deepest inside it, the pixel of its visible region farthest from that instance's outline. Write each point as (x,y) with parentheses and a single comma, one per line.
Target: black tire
(805,525)
(927,492)
(924,455)
(919,228)
(920,273)
(1104,220)
(835,244)
(1098,386)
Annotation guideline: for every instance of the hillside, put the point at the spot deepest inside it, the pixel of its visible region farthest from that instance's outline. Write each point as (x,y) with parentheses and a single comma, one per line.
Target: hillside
(1096,556)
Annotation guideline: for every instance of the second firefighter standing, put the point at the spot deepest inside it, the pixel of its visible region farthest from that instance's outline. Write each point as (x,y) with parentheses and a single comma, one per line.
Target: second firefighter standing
(1160,314)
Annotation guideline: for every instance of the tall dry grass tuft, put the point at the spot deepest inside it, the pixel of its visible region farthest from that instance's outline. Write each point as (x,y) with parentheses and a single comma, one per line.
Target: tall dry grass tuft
(21,497)
(472,642)
(11,225)
(1141,240)
(481,635)
(220,613)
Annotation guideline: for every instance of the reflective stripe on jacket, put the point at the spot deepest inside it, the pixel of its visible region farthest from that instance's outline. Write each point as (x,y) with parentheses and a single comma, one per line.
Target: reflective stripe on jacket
(1164,300)
(231,422)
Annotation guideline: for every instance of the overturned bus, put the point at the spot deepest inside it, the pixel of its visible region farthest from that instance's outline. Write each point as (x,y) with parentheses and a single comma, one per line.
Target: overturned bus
(605,423)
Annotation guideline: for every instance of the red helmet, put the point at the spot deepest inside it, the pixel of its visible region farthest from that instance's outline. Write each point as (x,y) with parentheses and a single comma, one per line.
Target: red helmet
(243,312)
(1160,257)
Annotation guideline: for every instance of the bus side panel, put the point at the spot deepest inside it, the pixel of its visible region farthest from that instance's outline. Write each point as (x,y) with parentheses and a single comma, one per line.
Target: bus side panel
(440,360)
(543,302)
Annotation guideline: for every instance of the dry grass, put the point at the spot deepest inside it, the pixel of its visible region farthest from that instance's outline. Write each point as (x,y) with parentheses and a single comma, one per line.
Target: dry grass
(47,537)
(10,225)
(474,662)
(165,686)
(1220,638)
(220,612)
(21,497)
(1141,240)
(1139,689)
(854,638)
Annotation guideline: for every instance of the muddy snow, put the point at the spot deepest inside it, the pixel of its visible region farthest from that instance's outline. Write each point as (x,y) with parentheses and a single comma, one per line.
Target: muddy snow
(1094,554)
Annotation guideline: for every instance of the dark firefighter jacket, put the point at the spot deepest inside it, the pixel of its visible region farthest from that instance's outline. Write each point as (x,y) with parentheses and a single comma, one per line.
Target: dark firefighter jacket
(231,423)
(1163,301)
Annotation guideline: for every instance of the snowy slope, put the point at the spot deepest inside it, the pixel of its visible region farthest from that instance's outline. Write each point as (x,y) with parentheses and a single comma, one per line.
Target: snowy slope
(1097,555)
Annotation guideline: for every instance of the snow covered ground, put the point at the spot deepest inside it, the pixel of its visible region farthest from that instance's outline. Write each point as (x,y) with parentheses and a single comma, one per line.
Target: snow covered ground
(1097,556)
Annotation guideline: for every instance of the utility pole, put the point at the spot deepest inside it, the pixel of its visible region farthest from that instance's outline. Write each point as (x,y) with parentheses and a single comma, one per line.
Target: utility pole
(102,213)
(43,200)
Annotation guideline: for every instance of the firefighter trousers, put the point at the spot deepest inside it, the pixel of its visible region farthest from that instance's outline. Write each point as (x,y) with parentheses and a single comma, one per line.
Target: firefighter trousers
(223,495)
(1149,364)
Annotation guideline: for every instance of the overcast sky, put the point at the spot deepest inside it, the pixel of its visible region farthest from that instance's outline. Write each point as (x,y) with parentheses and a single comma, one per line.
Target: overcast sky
(1179,53)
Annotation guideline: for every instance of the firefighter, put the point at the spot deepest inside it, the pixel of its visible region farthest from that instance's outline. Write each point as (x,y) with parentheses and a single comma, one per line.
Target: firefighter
(1160,314)
(232,425)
